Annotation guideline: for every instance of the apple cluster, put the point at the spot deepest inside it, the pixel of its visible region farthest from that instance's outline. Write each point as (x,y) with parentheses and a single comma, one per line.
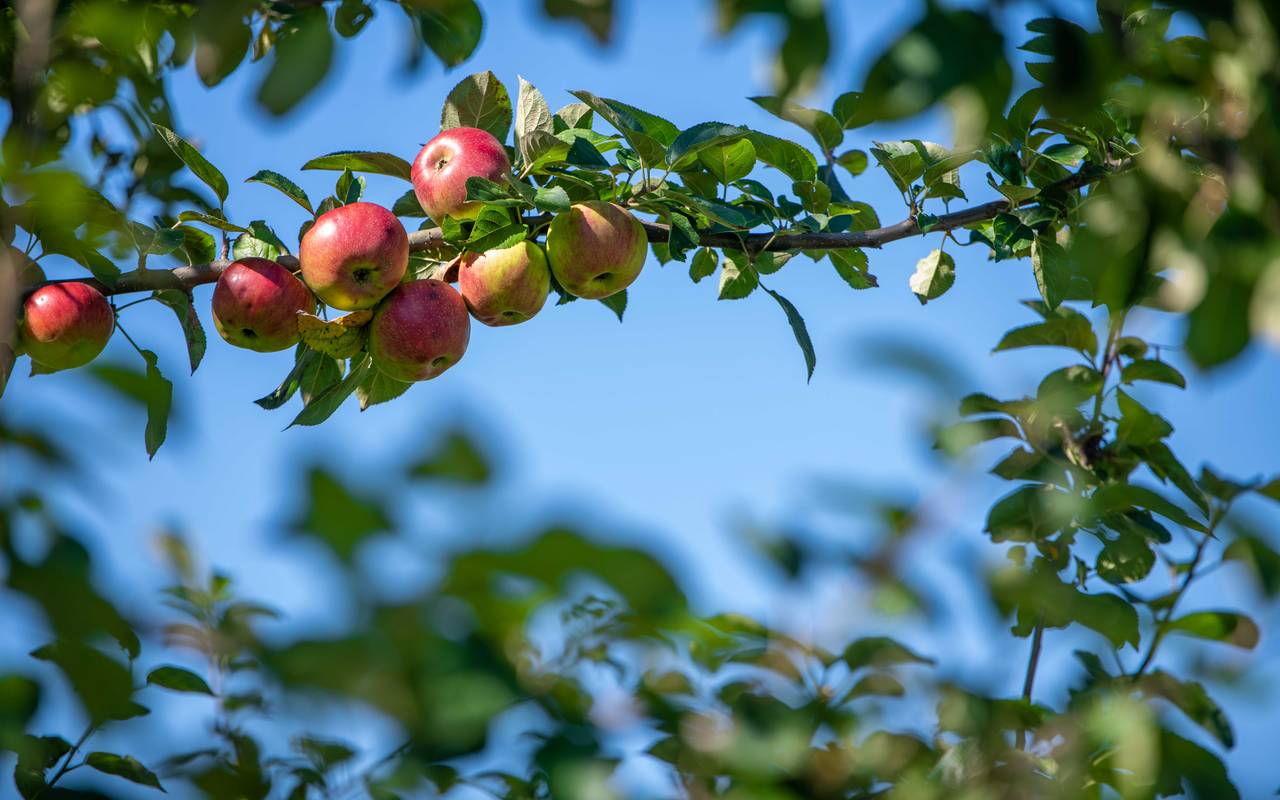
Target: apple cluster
(355,258)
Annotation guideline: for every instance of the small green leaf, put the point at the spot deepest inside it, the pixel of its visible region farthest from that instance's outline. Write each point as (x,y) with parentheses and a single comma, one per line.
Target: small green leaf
(378,388)
(451,30)
(934,275)
(825,129)
(478,101)
(851,266)
(789,158)
(280,395)
(178,680)
(552,198)
(737,277)
(197,163)
(798,329)
(692,141)
(729,162)
(126,767)
(1052,270)
(302,57)
(617,303)
(1151,370)
(704,264)
(1220,626)
(1072,331)
(456,459)
(180,302)
(282,184)
(328,401)
(1065,153)
(533,117)
(374,163)
(407,205)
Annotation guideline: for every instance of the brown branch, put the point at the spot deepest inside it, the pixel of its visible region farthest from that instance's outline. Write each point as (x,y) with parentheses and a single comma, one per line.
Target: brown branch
(189,276)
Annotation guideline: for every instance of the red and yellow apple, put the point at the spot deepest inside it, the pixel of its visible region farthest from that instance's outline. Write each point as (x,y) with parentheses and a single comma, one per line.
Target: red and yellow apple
(596,249)
(419,331)
(443,165)
(354,255)
(503,287)
(65,325)
(256,305)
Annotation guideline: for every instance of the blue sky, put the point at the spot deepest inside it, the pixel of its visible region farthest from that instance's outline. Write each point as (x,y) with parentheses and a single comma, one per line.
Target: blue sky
(666,430)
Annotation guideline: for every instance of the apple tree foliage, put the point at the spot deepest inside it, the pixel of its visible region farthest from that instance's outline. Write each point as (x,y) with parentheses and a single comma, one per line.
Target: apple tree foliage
(1137,165)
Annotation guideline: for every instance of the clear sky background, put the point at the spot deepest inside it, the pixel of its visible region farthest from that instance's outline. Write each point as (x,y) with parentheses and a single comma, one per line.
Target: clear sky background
(667,430)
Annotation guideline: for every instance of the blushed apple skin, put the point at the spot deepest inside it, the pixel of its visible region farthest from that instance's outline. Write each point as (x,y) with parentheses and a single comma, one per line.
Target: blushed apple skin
(505,287)
(66,325)
(354,255)
(256,305)
(596,249)
(443,165)
(419,331)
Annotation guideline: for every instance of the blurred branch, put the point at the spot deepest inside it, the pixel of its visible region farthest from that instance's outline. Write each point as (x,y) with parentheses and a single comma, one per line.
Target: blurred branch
(187,277)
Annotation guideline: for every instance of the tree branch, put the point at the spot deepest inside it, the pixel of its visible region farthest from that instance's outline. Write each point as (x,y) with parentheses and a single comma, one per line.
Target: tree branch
(187,277)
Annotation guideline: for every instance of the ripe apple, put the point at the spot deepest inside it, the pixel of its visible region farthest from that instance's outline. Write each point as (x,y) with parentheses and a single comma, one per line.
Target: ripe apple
(443,165)
(354,255)
(503,287)
(66,325)
(596,249)
(420,330)
(256,305)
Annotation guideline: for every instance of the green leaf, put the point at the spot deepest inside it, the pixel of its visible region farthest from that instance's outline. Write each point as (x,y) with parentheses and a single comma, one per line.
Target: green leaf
(280,395)
(854,162)
(213,221)
(198,245)
(1150,370)
(880,651)
(1219,626)
(249,246)
(533,117)
(851,266)
(934,275)
(1072,331)
(349,188)
(789,158)
(958,437)
(737,277)
(1052,270)
(159,398)
(1117,497)
(328,401)
(1192,699)
(178,680)
(378,388)
(499,238)
(704,264)
(1183,760)
(374,163)
(798,329)
(197,163)
(1137,425)
(338,517)
(181,303)
(1066,154)
(685,149)
(824,128)
(1261,559)
(649,135)
(1126,559)
(407,205)
(456,459)
(729,162)
(318,374)
(478,101)
(126,767)
(302,57)
(553,199)
(1027,513)
(452,30)
(617,303)
(848,110)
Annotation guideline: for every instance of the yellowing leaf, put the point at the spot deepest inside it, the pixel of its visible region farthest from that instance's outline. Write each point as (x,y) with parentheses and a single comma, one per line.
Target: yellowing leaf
(340,338)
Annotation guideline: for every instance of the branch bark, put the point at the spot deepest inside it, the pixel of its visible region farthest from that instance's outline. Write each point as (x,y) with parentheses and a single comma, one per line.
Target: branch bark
(186,277)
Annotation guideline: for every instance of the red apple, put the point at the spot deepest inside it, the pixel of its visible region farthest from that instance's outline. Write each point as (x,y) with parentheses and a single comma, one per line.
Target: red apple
(443,165)
(256,305)
(419,331)
(66,325)
(354,255)
(596,249)
(503,287)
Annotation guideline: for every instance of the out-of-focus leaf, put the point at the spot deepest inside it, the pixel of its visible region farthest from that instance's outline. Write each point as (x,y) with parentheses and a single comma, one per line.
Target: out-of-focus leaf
(338,517)
(456,459)
(302,57)
(178,679)
(126,767)
(1220,626)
